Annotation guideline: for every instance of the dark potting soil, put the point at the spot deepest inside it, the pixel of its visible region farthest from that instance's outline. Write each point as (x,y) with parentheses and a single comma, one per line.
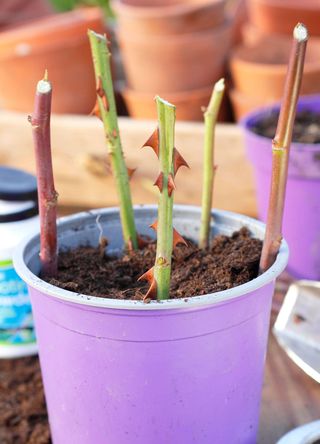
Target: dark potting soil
(23,415)
(306,126)
(229,262)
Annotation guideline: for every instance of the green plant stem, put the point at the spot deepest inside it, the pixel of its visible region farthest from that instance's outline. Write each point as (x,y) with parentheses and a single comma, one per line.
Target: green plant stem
(162,268)
(281,148)
(105,96)
(210,120)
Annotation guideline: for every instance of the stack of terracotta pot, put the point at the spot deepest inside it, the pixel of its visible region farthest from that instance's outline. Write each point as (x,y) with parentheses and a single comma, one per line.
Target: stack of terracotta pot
(58,43)
(176,49)
(279,17)
(258,66)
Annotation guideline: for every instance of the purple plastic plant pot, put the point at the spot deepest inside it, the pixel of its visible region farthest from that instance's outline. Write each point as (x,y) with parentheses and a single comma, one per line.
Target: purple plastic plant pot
(125,372)
(301,225)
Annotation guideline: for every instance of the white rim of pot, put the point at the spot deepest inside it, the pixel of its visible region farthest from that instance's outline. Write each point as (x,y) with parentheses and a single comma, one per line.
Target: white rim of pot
(189,302)
(305,434)
(222,30)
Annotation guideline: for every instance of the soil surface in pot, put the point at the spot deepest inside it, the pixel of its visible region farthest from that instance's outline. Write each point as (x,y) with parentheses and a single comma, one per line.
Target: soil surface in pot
(230,261)
(306,126)
(23,414)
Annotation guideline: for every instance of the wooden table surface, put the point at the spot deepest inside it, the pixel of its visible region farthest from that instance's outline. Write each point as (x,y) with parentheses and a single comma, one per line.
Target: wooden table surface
(83,180)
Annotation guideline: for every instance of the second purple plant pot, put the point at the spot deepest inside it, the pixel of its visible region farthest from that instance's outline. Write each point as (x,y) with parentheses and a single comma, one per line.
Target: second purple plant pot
(180,371)
(301,224)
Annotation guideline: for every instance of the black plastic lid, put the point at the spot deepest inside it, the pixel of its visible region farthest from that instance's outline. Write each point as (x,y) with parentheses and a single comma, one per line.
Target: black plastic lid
(17,185)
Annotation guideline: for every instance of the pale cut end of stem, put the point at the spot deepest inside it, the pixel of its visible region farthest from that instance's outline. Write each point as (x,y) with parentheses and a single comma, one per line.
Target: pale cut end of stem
(44,86)
(300,33)
(165,102)
(220,85)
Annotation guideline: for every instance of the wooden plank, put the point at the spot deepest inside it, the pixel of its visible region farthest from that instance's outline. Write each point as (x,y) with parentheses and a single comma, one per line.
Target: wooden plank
(81,180)
(290,397)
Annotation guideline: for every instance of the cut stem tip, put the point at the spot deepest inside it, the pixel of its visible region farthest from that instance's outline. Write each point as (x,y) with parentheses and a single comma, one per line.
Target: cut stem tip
(44,86)
(300,33)
(220,85)
(165,102)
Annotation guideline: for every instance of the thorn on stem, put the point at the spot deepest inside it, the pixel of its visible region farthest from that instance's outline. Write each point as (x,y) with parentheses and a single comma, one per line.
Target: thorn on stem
(152,291)
(102,94)
(154,225)
(153,141)
(96,111)
(178,239)
(178,161)
(159,182)
(131,172)
(171,185)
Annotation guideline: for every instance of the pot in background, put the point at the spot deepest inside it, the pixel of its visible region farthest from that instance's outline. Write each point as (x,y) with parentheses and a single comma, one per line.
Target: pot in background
(188,104)
(260,70)
(111,368)
(251,34)
(14,12)
(301,224)
(149,17)
(243,104)
(174,63)
(59,44)
(281,16)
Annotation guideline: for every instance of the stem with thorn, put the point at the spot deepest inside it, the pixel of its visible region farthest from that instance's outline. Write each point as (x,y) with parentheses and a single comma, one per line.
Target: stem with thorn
(210,119)
(162,267)
(47,196)
(107,107)
(281,148)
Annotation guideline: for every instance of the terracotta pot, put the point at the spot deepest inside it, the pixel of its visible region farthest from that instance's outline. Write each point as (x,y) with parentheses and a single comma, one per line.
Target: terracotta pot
(168,16)
(19,11)
(243,104)
(175,63)
(260,70)
(188,103)
(251,34)
(238,12)
(58,43)
(281,16)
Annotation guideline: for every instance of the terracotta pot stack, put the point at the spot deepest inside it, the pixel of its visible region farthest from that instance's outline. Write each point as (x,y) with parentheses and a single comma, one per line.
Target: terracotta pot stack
(59,44)
(280,16)
(173,48)
(258,67)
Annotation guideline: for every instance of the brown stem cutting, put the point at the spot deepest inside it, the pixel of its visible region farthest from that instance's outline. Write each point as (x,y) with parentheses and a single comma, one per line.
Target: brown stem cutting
(47,196)
(281,148)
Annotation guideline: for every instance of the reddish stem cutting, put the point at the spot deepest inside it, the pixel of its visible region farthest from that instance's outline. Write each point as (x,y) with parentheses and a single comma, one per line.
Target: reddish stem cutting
(47,196)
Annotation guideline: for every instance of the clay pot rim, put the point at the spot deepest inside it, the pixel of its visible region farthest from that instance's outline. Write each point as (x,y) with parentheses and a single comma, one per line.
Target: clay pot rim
(276,68)
(224,28)
(234,93)
(291,4)
(157,12)
(179,95)
(36,49)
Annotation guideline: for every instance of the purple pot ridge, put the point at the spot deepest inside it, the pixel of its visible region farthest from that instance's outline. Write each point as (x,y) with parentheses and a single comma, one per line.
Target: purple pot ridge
(124,372)
(301,224)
